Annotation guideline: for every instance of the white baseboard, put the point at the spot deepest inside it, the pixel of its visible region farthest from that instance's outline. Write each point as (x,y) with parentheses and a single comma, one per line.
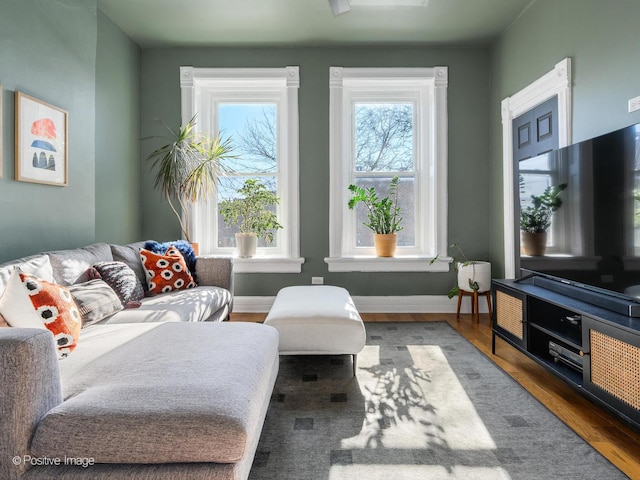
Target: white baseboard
(397,304)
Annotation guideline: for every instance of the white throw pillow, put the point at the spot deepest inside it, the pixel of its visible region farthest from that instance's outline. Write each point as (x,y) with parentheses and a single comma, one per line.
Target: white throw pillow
(39,266)
(16,307)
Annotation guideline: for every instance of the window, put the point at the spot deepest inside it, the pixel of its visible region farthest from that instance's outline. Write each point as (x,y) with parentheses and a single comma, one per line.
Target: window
(258,109)
(555,82)
(388,122)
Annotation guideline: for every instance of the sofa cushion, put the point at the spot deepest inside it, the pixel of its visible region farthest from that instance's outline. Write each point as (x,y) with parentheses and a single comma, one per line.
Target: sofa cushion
(70,266)
(166,272)
(197,401)
(193,305)
(29,302)
(121,279)
(38,265)
(96,301)
(130,254)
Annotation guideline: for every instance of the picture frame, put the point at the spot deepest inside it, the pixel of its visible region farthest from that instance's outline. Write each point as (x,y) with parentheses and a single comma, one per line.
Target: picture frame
(41,142)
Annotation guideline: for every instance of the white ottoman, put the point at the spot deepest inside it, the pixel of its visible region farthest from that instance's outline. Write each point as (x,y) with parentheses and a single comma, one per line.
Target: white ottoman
(317,320)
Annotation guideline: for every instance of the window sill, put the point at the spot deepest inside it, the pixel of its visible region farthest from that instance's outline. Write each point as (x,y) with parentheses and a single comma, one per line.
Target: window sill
(267,265)
(414,263)
(552,262)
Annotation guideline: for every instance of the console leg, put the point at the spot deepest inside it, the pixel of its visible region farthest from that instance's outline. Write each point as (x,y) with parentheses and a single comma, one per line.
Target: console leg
(493,343)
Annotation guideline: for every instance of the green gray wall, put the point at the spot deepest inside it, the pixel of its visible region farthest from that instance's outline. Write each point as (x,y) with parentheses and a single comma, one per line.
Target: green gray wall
(117,135)
(469,172)
(602,38)
(68,54)
(48,50)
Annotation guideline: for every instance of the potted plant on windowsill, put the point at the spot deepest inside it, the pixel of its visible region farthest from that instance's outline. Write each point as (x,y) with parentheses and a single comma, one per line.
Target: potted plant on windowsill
(251,215)
(188,169)
(383,215)
(535,219)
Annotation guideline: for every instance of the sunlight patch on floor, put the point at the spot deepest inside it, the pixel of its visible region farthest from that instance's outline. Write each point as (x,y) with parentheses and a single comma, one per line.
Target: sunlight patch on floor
(415,472)
(418,407)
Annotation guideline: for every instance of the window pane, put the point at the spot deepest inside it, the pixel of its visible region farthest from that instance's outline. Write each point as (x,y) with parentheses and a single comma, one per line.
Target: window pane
(541,162)
(406,202)
(536,184)
(253,130)
(532,184)
(383,137)
(227,190)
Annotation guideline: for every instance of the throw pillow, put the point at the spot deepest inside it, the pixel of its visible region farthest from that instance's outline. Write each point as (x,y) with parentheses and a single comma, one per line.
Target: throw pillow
(38,265)
(130,254)
(166,272)
(121,279)
(30,302)
(183,246)
(96,301)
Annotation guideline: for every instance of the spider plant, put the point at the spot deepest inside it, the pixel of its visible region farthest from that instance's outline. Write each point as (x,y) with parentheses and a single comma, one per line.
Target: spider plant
(188,168)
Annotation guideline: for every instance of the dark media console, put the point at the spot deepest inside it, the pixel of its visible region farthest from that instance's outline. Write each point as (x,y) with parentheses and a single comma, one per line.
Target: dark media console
(589,339)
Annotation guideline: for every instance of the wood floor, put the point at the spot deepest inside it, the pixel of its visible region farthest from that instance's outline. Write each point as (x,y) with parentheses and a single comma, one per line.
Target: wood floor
(608,435)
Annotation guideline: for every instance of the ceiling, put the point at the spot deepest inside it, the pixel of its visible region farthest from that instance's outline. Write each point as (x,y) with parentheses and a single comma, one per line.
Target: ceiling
(167,23)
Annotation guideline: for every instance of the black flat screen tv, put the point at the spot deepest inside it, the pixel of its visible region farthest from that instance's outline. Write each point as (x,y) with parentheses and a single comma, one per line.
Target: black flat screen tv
(594,239)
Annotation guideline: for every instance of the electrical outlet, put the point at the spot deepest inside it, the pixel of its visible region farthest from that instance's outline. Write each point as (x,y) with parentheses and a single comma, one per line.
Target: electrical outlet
(634,104)
(317,280)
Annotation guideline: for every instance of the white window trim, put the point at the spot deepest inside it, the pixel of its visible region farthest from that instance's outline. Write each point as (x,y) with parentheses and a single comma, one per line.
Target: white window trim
(434,81)
(283,84)
(556,82)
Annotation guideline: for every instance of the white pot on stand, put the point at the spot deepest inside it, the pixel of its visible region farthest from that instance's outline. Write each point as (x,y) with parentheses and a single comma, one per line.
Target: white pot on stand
(475,271)
(246,243)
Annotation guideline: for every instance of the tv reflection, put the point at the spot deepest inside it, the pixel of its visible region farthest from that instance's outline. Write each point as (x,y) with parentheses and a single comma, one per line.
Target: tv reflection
(594,237)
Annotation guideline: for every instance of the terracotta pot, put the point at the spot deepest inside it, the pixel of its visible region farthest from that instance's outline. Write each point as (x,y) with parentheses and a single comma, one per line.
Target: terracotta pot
(476,271)
(533,244)
(385,244)
(246,244)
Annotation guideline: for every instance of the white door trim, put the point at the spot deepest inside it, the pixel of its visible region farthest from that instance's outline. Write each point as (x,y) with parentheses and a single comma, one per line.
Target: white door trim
(557,82)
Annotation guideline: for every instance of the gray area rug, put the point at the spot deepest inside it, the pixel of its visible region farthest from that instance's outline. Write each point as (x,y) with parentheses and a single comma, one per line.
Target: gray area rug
(425,404)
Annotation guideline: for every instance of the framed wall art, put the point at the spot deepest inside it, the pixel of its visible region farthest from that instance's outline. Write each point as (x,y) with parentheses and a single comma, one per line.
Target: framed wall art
(41,142)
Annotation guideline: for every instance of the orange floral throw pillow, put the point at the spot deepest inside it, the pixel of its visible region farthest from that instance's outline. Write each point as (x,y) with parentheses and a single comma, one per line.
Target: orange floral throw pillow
(30,302)
(166,272)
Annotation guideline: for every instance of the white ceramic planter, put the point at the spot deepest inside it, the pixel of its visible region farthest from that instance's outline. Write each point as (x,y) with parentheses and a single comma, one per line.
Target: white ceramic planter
(246,244)
(477,271)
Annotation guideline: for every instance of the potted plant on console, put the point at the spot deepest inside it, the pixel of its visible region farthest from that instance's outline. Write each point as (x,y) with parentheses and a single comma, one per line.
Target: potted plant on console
(535,219)
(383,215)
(251,215)
(188,169)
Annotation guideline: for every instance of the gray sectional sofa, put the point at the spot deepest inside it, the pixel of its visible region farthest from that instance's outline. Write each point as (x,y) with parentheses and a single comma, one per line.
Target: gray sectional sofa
(151,393)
